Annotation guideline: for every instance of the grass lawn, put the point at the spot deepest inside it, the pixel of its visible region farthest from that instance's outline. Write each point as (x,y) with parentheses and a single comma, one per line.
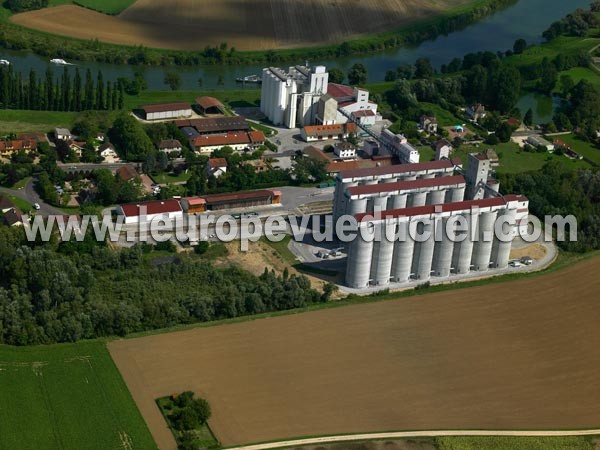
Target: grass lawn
(106,6)
(22,121)
(164,178)
(283,250)
(23,205)
(514,160)
(21,184)
(232,98)
(582,73)
(584,148)
(68,396)
(512,443)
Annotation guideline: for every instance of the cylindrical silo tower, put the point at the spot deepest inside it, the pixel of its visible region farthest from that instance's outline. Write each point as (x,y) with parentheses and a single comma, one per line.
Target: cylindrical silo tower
(463,249)
(403,254)
(442,256)
(383,252)
(482,250)
(360,255)
(501,248)
(424,254)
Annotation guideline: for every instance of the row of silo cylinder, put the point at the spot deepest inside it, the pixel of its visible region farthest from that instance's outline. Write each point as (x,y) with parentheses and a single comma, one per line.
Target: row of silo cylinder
(394,256)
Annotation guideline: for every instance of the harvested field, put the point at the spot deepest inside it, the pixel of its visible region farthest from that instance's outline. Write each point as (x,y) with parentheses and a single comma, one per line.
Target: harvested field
(245,24)
(516,355)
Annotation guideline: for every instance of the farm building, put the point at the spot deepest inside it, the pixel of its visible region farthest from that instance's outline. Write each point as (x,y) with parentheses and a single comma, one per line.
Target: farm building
(213,125)
(328,132)
(162,111)
(210,105)
(208,143)
(148,211)
(538,141)
(233,200)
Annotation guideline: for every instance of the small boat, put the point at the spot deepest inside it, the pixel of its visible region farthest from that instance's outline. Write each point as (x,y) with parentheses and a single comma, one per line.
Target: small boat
(59,62)
(249,79)
(4,62)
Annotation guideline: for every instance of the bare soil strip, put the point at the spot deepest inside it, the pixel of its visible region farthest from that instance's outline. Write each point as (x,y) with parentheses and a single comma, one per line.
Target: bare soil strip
(515,355)
(243,24)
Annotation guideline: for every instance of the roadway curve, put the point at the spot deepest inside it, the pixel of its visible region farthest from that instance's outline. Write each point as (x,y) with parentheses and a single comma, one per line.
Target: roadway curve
(412,434)
(29,194)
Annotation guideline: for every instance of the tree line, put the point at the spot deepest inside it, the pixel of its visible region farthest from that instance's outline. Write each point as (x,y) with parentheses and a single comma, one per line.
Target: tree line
(14,37)
(63,93)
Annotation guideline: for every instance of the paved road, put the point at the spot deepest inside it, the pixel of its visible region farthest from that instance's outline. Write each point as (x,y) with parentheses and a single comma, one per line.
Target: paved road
(410,434)
(29,195)
(76,167)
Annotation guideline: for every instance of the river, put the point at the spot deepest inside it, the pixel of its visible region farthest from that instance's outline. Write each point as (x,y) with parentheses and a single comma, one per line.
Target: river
(526,19)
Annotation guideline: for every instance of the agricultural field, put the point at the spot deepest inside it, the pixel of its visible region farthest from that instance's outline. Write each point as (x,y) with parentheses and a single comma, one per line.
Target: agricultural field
(511,355)
(247,25)
(21,121)
(74,396)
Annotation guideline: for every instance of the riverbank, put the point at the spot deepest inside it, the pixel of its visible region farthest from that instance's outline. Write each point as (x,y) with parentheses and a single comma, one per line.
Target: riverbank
(15,37)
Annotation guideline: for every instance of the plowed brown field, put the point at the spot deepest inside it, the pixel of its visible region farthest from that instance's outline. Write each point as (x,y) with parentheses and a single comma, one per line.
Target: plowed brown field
(515,355)
(243,24)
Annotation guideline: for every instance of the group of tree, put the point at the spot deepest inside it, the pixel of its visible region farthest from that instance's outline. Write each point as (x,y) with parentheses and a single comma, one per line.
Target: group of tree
(57,292)
(186,414)
(556,190)
(64,93)
(18,6)
(576,24)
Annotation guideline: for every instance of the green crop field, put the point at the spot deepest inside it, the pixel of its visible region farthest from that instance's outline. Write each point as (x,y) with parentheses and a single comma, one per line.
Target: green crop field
(106,6)
(67,397)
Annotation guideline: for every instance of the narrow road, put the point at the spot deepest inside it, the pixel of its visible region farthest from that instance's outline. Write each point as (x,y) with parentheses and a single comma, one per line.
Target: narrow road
(29,195)
(411,434)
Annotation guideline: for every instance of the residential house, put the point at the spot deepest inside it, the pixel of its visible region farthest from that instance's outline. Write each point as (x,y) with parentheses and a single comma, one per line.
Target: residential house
(77,147)
(63,134)
(108,152)
(428,124)
(216,167)
(328,132)
(259,165)
(10,146)
(5,204)
(170,145)
(127,173)
(13,217)
(476,112)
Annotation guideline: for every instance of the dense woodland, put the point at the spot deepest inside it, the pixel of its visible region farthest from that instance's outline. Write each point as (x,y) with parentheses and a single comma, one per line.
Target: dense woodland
(71,291)
(555,190)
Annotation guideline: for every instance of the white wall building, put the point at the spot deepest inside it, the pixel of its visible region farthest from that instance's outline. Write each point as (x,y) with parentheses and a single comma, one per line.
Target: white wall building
(290,97)
(344,150)
(398,144)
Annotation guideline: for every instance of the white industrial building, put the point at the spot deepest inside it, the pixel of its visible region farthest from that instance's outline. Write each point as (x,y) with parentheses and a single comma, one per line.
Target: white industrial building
(290,98)
(394,256)
(343,103)
(398,144)
(387,174)
(148,211)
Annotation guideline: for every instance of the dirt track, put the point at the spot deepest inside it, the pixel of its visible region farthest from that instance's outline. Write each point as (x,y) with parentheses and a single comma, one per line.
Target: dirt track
(515,355)
(243,24)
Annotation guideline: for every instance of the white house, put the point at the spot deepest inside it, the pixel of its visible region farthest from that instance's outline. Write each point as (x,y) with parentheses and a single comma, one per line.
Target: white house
(216,167)
(108,151)
(63,134)
(344,150)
